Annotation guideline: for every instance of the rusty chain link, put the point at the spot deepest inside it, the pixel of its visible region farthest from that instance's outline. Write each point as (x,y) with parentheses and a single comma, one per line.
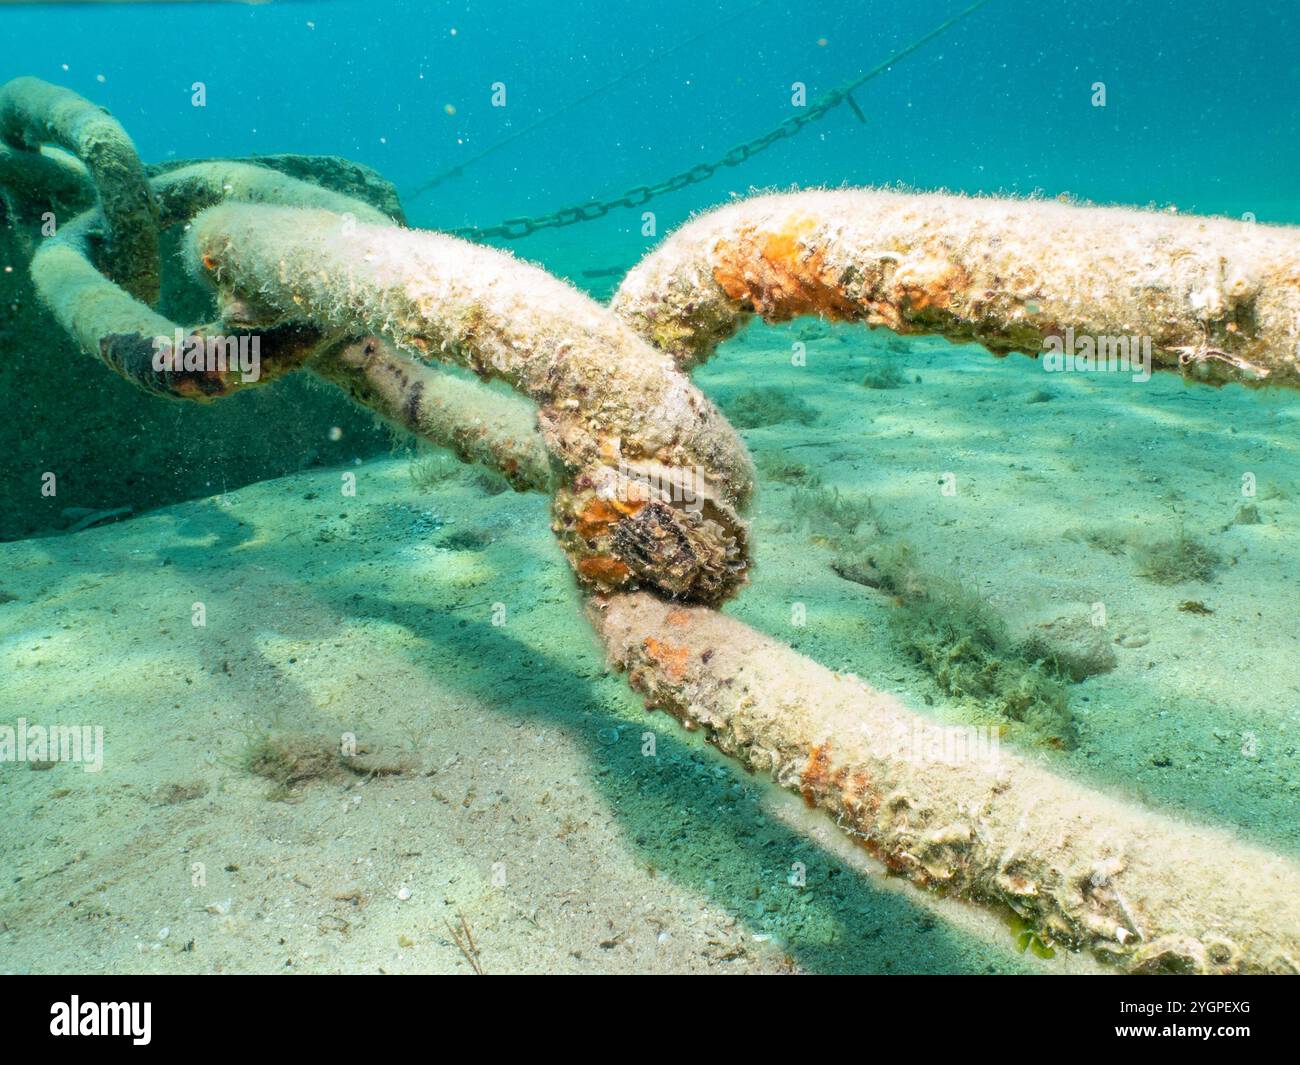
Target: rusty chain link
(756,699)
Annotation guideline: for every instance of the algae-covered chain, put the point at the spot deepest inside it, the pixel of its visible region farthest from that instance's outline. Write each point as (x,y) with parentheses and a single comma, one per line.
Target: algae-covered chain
(651,478)
(1144,891)
(1212,298)
(652,481)
(1218,300)
(34,112)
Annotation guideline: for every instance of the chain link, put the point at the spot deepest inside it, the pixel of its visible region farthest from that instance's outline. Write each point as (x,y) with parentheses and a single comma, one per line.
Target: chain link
(517,228)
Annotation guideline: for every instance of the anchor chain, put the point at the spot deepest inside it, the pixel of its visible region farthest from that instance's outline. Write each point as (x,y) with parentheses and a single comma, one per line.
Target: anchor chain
(1142,890)
(518,228)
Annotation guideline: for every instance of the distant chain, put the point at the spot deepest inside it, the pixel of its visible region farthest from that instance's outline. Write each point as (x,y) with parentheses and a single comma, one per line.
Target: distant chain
(518,228)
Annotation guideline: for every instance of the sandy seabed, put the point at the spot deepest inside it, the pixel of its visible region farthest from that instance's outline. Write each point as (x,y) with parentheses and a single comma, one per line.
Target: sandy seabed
(502,788)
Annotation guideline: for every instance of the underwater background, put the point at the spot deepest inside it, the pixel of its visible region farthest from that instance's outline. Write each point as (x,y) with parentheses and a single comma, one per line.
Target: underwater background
(508,791)
(1198,113)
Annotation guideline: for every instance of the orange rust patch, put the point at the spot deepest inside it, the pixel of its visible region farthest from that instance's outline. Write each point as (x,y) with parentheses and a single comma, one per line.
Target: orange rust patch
(677,616)
(780,274)
(596,518)
(209,263)
(634,504)
(814,776)
(603,570)
(671,659)
(188,387)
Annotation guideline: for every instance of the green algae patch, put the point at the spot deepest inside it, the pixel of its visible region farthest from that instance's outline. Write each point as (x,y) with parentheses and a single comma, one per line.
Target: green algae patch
(1179,559)
(755,408)
(1027,939)
(964,645)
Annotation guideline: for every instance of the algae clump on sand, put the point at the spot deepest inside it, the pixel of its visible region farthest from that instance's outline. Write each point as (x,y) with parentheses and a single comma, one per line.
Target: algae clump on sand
(966,648)
(755,408)
(1181,558)
(951,632)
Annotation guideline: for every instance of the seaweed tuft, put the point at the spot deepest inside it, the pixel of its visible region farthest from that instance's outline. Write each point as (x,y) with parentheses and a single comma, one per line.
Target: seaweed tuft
(430,469)
(832,517)
(954,635)
(788,471)
(1181,558)
(884,375)
(288,760)
(754,408)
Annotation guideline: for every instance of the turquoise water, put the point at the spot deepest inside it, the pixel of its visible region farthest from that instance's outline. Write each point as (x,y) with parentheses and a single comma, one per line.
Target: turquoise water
(510,784)
(1197,114)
